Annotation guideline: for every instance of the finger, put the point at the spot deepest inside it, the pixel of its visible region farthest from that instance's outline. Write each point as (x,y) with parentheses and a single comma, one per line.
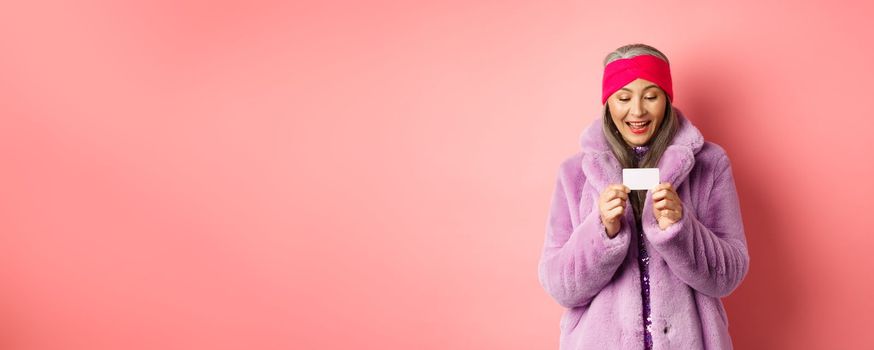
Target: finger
(609,192)
(672,206)
(669,203)
(661,186)
(613,213)
(659,195)
(675,203)
(619,187)
(666,192)
(622,194)
(665,187)
(614,203)
(615,193)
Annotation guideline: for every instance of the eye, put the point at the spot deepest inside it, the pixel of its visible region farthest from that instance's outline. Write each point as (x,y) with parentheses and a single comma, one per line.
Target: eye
(652,98)
(624,99)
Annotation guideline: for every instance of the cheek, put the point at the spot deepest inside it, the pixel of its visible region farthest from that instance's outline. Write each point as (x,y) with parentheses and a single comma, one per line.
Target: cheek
(616,111)
(657,108)
(617,120)
(659,111)
(618,124)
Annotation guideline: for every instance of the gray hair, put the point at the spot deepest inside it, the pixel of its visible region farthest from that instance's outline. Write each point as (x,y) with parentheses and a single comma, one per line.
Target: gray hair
(634,50)
(659,142)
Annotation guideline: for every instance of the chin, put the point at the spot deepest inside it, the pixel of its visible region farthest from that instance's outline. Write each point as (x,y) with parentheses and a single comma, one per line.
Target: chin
(638,140)
(635,139)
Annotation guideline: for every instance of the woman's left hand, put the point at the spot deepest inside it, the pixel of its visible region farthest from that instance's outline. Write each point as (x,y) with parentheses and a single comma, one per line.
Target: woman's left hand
(666,205)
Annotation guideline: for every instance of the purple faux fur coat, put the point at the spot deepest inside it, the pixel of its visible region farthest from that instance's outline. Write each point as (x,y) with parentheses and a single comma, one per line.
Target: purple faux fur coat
(693,263)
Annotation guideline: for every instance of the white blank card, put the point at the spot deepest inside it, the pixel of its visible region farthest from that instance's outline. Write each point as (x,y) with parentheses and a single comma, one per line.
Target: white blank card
(640,178)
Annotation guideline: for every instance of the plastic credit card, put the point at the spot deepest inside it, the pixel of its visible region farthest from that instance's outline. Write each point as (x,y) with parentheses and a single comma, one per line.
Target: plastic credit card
(640,178)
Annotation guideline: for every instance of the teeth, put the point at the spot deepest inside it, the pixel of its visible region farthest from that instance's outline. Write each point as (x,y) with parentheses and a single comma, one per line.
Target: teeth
(638,124)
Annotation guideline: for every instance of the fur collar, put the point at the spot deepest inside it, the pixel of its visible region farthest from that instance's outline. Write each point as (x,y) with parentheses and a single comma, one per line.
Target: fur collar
(602,168)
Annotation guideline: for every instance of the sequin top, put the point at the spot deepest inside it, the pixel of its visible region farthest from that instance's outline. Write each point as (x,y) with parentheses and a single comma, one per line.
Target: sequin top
(643,263)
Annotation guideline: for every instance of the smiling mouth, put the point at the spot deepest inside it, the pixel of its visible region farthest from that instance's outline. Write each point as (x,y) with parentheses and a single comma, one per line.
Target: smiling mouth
(638,125)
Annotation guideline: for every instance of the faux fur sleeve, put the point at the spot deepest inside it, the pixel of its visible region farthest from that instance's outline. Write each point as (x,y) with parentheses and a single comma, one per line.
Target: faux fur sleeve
(577,261)
(708,253)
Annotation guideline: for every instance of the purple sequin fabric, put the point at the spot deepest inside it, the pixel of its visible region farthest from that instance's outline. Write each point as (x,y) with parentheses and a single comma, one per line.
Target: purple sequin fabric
(643,263)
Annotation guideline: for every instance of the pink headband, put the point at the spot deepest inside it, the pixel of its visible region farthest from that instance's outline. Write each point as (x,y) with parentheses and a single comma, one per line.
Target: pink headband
(623,71)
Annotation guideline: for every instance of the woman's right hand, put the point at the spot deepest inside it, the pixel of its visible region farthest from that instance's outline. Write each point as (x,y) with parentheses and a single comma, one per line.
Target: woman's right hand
(611,204)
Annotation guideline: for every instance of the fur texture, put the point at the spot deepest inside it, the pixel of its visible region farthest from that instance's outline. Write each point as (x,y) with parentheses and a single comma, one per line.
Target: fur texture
(693,263)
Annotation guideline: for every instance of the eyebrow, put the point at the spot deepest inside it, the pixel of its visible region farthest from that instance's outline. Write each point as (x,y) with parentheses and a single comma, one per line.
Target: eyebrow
(644,89)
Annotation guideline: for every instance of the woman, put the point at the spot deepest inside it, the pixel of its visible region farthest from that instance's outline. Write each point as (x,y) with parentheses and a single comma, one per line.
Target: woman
(643,269)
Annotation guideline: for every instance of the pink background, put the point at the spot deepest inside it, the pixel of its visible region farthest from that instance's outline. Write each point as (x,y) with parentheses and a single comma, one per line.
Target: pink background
(329,175)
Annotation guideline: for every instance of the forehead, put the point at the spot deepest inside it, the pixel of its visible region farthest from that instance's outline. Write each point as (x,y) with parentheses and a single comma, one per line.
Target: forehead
(639,85)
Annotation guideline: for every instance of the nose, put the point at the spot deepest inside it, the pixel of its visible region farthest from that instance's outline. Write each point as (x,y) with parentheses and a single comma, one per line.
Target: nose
(636,109)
